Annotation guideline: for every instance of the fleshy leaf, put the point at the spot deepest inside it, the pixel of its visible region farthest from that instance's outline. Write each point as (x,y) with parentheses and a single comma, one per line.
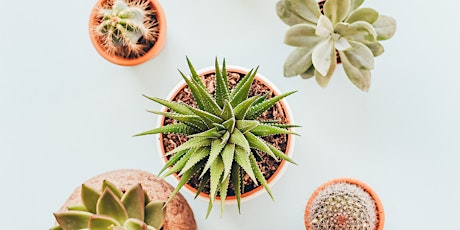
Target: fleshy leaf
(154,214)
(360,77)
(302,35)
(77,207)
(134,202)
(241,157)
(216,148)
(110,205)
(309,73)
(260,177)
(242,93)
(73,219)
(184,179)
(298,11)
(323,81)
(246,125)
(222,92)
(176,157)
(336,10)
(194,74)
(235,179)
(223,192)
(265,130)
(360,56)
(207,117)
(227,157)
(89,197)
(211,133)
(321,56)
(342,44)
(112,187)
(258,109)
(179,128)
(257,143)
(385,26)
(180,108)
(238,138)
(362,32)
(196,157)
(242,108)
(325,27)
(227,112)
(216,174)
(180,163)
(376,48)
(192,120)
(298,61)
(204,100)
(192,143)
(280,154)
(99,222)
(363,14)
(134,224)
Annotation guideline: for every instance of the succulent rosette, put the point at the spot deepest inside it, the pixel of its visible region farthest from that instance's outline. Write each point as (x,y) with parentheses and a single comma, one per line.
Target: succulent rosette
(341,30)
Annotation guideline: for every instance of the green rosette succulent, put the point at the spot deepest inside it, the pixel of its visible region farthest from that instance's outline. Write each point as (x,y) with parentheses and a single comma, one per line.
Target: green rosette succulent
(223,135)
(112,209)
(123,24)
(342,30)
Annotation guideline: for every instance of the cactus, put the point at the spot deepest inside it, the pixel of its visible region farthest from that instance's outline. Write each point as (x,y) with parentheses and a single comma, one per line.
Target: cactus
(342,206)
(340,29)
(223,134)
(126,27)
(112,209)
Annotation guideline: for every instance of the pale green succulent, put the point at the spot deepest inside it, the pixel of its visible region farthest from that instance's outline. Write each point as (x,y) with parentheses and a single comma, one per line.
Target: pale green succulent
(223,134)
(112,209)
(344,28)
(121,26)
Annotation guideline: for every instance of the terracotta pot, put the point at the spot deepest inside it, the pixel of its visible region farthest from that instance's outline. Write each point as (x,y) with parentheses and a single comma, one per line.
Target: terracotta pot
(290,138)
(178,215)
(378,204)
(153,51)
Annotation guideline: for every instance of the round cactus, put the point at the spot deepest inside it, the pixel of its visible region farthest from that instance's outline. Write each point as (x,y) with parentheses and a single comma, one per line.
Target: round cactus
(343,205)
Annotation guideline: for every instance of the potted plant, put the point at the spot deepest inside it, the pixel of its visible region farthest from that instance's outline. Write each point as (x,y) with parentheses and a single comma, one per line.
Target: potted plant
(125,200)
(344,204)
(341,30)
(225,134)
(127,32)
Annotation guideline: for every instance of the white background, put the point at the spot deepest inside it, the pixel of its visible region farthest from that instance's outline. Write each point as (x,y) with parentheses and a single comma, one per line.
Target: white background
(67,114)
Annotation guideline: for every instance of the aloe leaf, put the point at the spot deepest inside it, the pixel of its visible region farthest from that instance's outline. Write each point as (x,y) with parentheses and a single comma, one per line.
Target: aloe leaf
(211,133)
(262,98)
(134,202)
(184,179)
(359,77)
(266,130)
(204,180)
(385,27)
(179,128)
(89,197)
(202,97)
(321,56)
(180,108)
(360,56)
(241,157)
(280,154)
(301,35)
(195,157)
(216,149)
(110,205)
(240,83)
(260,177)
(323,80)
(216,171)
(239,139)
(286,126)
(227,112)
(242,108)
(223,193)
(180,163)
(246,125)
(100,222)
(227,157)
(257,110)
(135,224)
(154,214)
(73,219)
(112,187)
(195,77)
(229,124)
(235,179)
(173,160)
(297,62)
(207,117)
(363,14)
(336,10)
(192,143)
(192,120)
(257,143)
(242,93)
(222,92)
(294,12)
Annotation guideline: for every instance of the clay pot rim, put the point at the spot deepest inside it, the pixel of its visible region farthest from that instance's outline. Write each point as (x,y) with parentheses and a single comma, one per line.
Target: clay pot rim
(290,143)
(378,203)
(153,51)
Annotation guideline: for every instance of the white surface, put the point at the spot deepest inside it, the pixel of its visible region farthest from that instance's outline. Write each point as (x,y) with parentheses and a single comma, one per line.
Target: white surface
(66,114)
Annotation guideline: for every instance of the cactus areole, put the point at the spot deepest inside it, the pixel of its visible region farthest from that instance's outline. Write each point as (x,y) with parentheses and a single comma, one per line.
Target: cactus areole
(127,32)
(226,133)
(344,204)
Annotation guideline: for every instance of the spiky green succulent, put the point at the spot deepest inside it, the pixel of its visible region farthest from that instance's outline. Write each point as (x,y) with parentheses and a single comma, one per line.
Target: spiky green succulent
(223,134)
(121,26)
(344,28)
(112,209)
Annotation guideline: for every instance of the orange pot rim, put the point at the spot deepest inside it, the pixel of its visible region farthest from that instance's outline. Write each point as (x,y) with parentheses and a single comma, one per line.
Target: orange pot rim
(153,51)
(283,165)
(378,203)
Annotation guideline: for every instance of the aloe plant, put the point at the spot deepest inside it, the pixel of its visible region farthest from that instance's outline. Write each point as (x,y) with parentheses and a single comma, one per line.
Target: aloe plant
(223,134)
(122,24)
(110,208)
(344,28)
